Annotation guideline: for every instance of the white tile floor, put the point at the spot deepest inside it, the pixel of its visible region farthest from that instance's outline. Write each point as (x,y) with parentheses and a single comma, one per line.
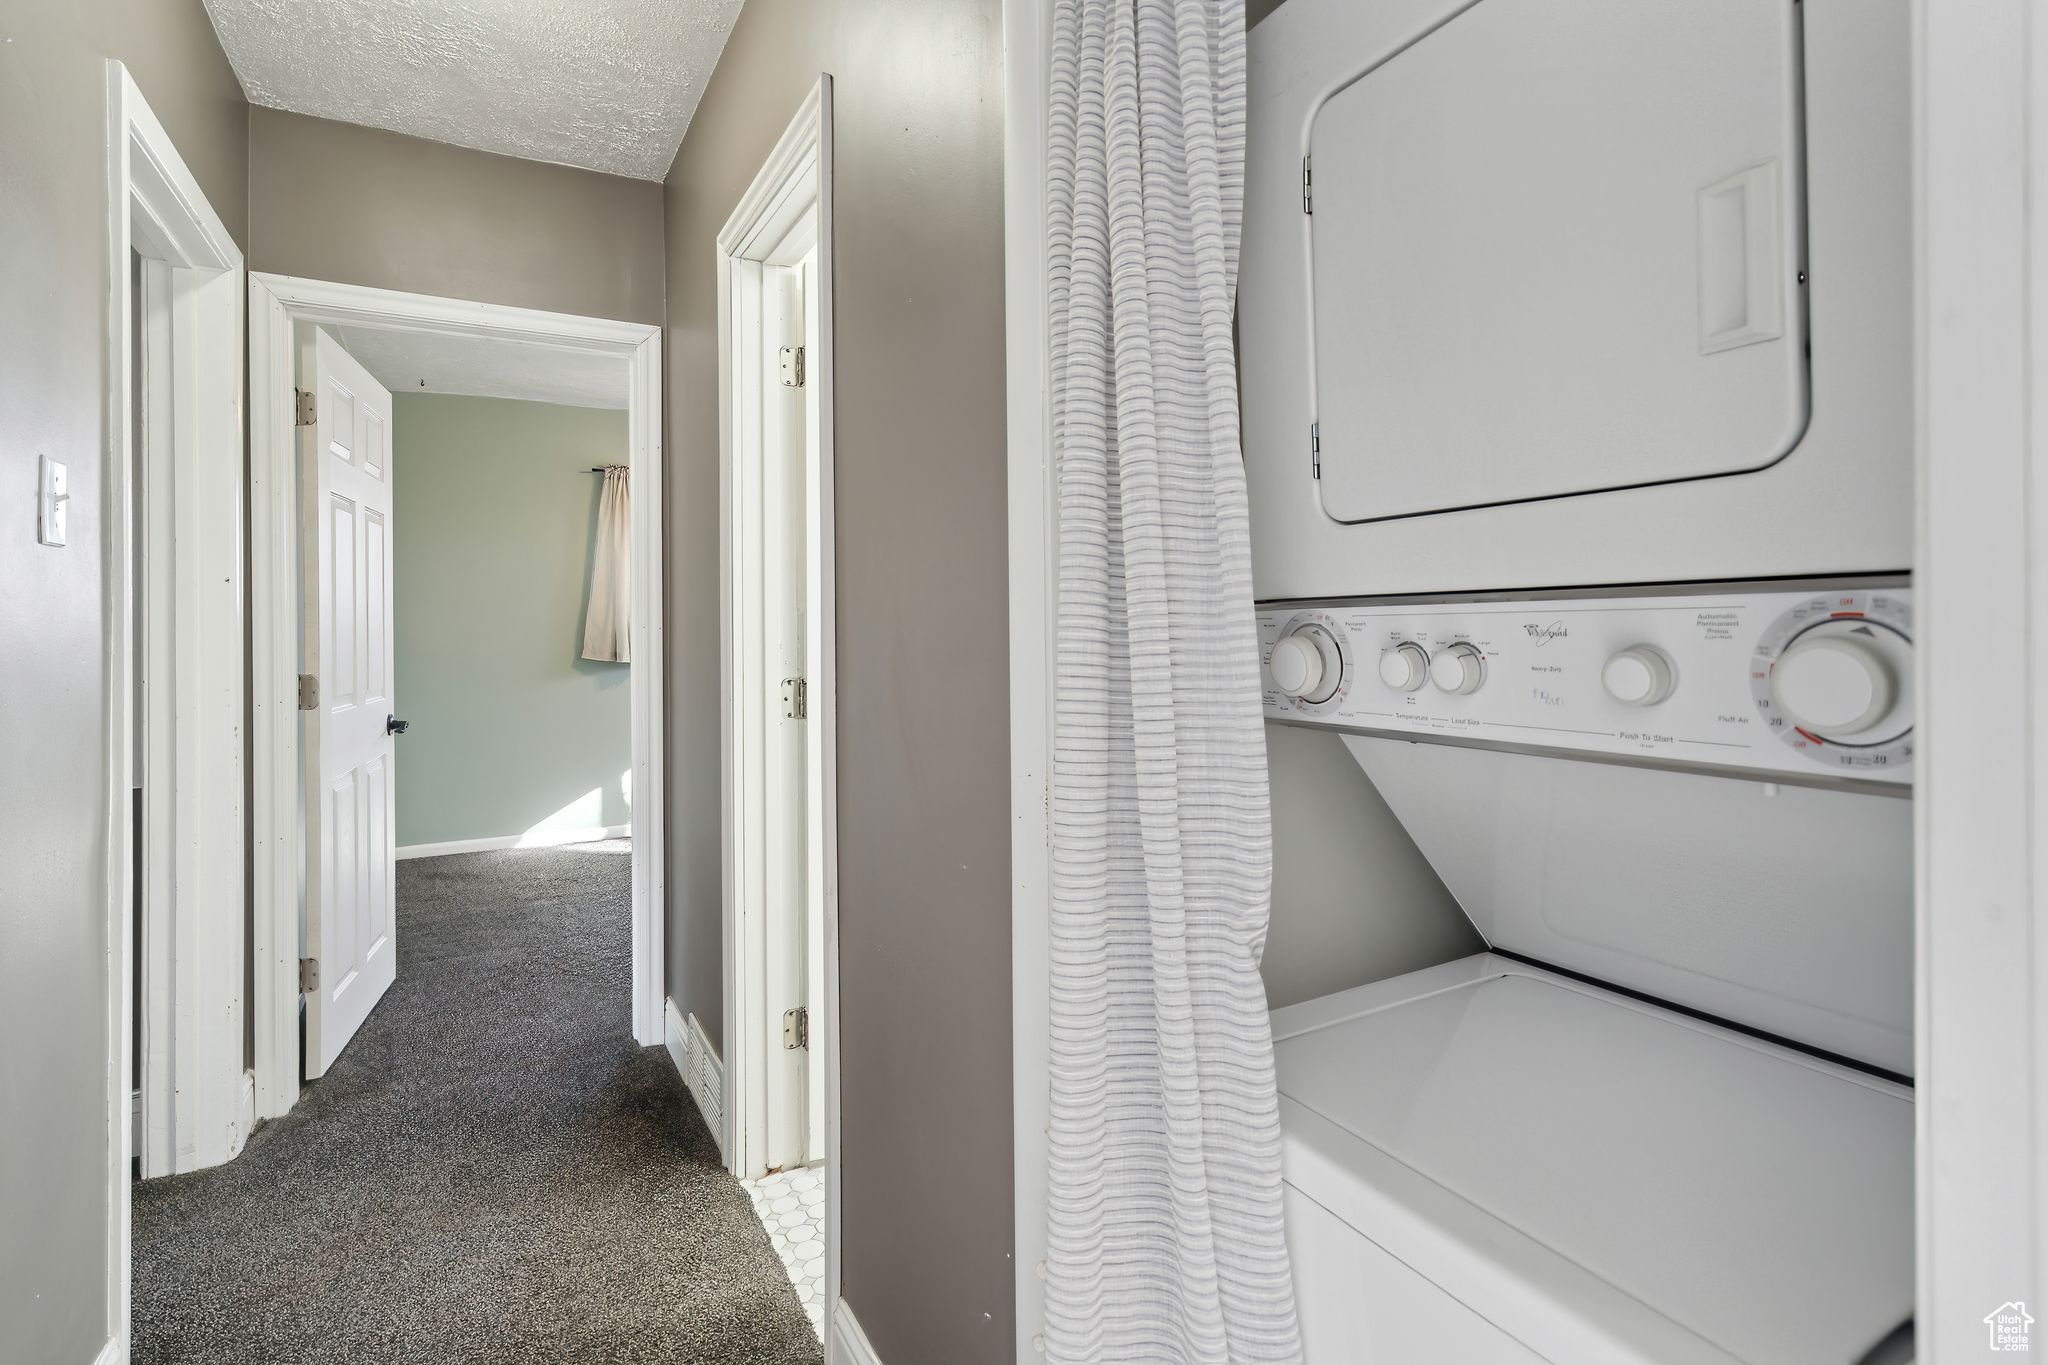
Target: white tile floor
(792,1207)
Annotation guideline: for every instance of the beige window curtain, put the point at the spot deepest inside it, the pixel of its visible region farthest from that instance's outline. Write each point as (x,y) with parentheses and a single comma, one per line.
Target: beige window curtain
(608,623)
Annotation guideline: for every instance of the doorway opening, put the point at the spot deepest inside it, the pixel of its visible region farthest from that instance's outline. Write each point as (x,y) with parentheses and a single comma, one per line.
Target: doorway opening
(780,1021)
(178,1096)
(464,637)
(340,541)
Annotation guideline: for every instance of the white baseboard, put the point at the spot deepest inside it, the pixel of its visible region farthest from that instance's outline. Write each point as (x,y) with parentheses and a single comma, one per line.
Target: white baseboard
(676,1036)
(850,1345)
(703,1074)
(540,838)
(245,1116)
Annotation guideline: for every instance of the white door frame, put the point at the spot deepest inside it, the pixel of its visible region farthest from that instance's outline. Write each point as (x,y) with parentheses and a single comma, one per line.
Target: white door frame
(795,180)
(277,306)
(792,186)
(1034,565)
(1981,163)
(189,515)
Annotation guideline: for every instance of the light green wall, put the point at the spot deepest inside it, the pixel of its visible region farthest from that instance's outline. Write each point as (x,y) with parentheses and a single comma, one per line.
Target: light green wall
(494,516)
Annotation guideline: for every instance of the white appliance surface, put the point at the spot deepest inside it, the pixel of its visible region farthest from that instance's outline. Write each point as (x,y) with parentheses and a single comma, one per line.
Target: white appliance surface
(1496,352)
(1789,910)
(1521,293)
(1599,1179)
(1358,1305)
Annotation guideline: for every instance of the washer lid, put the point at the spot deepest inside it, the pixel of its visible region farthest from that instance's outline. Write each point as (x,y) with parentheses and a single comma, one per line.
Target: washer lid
(1760,1200)
(1556,249)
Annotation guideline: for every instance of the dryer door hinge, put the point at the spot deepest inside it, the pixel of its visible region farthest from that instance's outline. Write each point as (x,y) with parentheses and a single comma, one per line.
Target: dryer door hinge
(1315,450)
(1308,189)
(796,1029)
(302,406)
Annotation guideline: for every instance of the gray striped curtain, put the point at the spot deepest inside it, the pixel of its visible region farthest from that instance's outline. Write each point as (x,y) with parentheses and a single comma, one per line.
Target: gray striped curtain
(1165,1238)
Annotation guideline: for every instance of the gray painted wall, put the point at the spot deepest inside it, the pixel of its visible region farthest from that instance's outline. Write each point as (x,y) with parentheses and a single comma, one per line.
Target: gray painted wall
(53,680)
(922,572)
(1353,899)
(494,521)
(448,221)
(332,201)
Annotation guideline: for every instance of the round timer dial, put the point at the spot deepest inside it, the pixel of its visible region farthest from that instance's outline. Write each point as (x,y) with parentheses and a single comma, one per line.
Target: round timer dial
(1310,662)
(1832,678)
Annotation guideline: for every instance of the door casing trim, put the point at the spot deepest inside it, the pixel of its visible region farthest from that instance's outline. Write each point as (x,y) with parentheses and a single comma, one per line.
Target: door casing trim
(794,179)
(190,524)
(278,304)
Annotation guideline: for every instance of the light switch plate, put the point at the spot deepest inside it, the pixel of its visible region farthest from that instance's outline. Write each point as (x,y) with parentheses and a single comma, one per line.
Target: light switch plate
(53,502)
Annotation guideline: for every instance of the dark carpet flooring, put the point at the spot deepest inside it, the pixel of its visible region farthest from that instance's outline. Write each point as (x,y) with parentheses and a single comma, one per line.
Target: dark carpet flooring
(492,1172)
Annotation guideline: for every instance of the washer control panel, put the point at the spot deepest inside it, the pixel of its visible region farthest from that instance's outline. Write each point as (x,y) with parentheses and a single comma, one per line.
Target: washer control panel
(1803,682)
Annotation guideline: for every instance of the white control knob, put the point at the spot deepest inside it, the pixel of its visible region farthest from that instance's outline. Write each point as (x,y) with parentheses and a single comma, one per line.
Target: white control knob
(1833,684)
(1404,667)
(1297,667)
(1458,670)
(1640,675)
(1306,664)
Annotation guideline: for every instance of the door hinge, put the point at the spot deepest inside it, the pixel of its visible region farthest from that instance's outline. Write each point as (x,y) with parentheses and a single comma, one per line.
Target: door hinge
(796,699)
(792,366)
(1308,189)
(796,1029)
(309,974)
(1315,450)
(302,405)
(309,692)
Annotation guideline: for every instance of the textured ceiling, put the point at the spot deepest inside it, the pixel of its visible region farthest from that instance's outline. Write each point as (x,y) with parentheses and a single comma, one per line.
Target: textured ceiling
(416,362)
(605,84)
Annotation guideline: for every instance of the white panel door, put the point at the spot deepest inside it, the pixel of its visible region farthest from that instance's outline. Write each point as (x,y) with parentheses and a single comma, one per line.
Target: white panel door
(346,745)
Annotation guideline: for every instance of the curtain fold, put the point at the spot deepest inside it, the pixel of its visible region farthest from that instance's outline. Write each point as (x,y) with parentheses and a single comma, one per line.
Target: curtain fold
(608,618)
(1164,1217)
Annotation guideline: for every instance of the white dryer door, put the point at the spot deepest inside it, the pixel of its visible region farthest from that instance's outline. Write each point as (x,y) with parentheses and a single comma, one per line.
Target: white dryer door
(1558,249)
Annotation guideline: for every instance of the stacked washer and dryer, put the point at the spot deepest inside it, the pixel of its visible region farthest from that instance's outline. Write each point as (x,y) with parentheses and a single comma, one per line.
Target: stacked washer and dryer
(1577,381)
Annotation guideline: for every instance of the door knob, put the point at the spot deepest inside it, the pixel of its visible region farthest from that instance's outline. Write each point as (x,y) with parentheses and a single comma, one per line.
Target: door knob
(394,726)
